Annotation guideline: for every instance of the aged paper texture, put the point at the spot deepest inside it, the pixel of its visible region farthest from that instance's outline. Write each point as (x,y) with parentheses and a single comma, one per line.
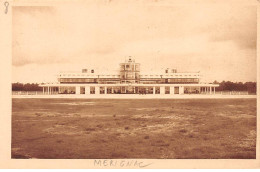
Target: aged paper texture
(129,84)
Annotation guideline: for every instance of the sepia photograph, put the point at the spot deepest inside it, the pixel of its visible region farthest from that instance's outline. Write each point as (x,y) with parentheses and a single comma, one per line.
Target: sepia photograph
(134,80)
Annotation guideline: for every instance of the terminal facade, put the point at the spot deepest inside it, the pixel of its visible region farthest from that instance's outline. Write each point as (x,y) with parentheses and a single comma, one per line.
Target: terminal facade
(129,80)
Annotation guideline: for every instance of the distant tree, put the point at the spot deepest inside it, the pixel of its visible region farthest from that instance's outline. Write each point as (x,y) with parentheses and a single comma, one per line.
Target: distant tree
(236,86)
(17,86)
(25,87)
(251,87)
(215,82)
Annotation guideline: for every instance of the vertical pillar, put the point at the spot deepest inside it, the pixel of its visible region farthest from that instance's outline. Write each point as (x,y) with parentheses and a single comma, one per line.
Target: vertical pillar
(162,90)
(214,90)
(48,90)
(153,90)
(87,90)
(77,89)
(42,90)
(97,90)
(171,90)
(105,90)
(210,90)
(112,90)
(181,90)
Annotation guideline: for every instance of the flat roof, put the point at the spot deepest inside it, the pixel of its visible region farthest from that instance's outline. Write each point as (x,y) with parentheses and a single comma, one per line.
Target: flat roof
(133,85)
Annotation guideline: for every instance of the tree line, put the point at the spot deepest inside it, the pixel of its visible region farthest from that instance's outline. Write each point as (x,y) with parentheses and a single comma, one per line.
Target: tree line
(26,87)
(236,86)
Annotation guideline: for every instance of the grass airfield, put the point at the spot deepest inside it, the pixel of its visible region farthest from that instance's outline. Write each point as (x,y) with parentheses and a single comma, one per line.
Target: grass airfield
(129,128)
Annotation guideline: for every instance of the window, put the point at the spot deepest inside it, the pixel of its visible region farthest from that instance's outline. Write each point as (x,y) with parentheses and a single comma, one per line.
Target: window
(167,90)
(176,90)
(92,90)
(92,71)
(102,90)
(157,90)
(82,90)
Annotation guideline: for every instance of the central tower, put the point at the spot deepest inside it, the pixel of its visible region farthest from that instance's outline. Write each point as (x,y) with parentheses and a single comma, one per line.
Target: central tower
(129,72)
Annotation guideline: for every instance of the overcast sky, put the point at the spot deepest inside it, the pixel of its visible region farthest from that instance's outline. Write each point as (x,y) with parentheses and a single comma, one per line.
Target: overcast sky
(217,40)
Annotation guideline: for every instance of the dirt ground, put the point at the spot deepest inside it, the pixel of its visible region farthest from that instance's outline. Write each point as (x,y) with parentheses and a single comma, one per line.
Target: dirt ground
(92,129)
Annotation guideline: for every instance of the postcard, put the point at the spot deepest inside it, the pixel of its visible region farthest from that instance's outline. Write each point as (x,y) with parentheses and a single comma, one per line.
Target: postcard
(129,84)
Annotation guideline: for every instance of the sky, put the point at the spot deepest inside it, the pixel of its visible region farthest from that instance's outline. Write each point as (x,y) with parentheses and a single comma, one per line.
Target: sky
(217,40)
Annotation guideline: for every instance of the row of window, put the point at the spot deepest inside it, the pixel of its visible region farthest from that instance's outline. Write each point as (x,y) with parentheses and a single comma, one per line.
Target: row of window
(88,75)
(144,80)
(165,76)
(129,67)
(88,80)
(118,90)
(173,80)
(130,72)
(178,80)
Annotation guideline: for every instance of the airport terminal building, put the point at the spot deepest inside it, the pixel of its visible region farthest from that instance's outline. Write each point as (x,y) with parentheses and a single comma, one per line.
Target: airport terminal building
(129,80)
